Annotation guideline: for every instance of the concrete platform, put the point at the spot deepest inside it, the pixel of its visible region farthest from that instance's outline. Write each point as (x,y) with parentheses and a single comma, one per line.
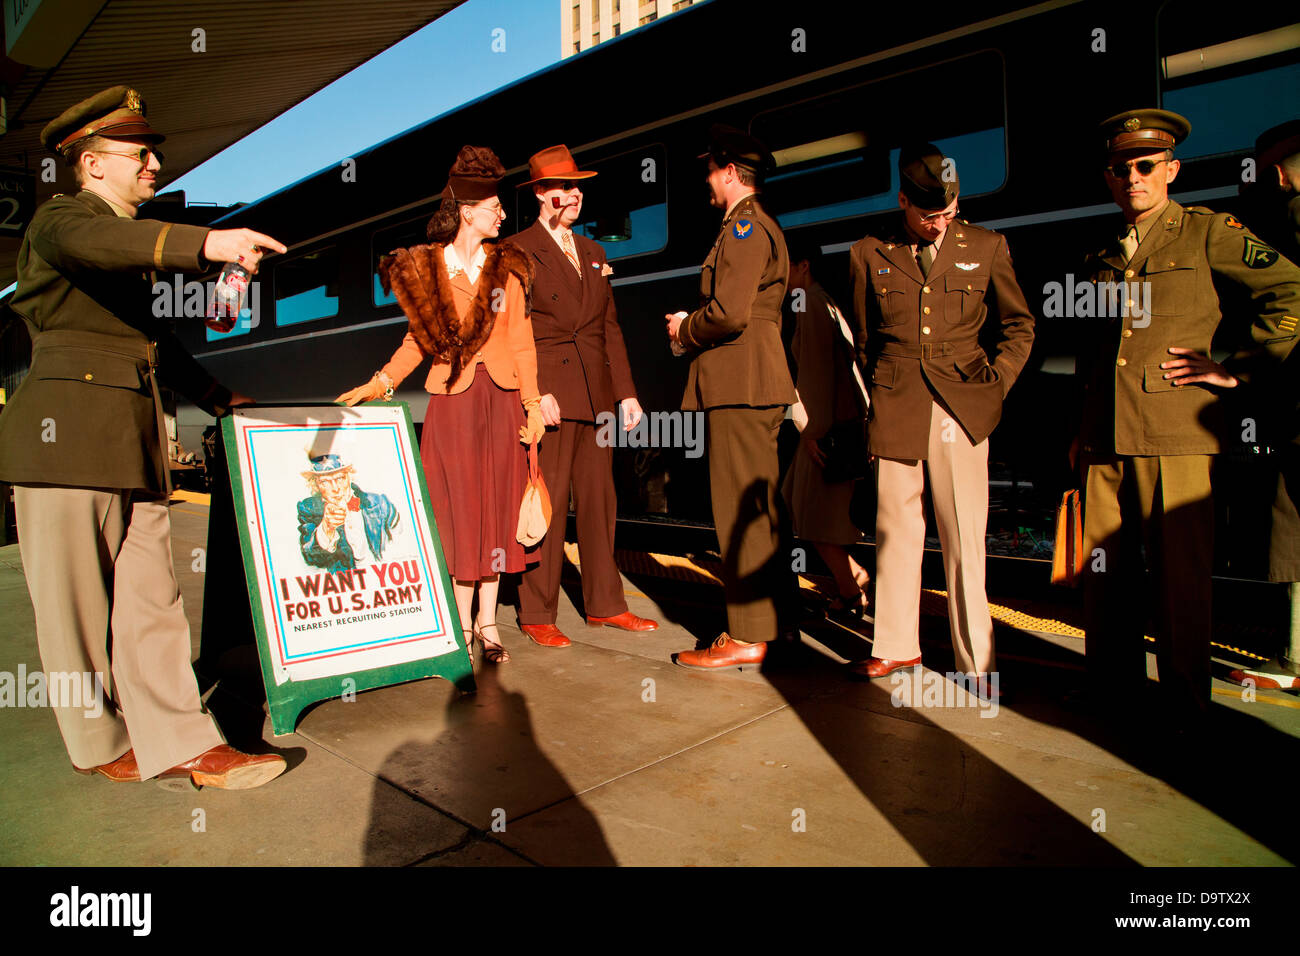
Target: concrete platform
(606,753)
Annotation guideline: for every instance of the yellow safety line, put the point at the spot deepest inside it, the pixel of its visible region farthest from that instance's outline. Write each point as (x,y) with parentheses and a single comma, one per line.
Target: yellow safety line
(1276,701)
(193,497)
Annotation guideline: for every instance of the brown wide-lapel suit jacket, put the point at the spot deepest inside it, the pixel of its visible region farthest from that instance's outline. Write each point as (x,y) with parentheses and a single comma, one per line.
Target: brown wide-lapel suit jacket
(581,358)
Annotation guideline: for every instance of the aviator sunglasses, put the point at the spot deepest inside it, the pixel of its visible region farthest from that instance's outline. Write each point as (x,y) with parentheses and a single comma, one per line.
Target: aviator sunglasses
(1144,167)
(140,155)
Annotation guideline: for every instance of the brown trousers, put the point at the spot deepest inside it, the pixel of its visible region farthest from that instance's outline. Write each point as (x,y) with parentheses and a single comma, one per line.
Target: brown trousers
(750,518)
(959,489)
(1162,504)
(99,570)
(570,455)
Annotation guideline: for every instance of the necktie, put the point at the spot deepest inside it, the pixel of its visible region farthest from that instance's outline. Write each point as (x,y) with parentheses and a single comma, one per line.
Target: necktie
(924,257)
(1129,242)
(572,253)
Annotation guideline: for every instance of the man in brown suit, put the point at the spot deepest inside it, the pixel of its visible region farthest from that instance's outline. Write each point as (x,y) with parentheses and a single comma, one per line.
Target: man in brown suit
(1153,415)
(582,372)
(924,292)
(82,442)
(740,380)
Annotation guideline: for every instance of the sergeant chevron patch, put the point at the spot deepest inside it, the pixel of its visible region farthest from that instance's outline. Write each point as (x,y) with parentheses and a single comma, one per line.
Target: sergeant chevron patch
(1256,255)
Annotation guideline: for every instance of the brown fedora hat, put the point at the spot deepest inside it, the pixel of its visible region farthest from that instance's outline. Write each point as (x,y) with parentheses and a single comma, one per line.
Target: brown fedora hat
(554,163)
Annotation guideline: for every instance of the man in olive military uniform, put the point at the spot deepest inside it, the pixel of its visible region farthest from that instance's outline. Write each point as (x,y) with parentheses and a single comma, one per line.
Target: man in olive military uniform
(1153,418)
(740,380)
(925,292)
(1273,212)
(83,443)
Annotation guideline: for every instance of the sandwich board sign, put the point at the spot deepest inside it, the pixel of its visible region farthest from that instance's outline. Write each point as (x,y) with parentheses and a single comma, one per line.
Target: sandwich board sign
(346,579)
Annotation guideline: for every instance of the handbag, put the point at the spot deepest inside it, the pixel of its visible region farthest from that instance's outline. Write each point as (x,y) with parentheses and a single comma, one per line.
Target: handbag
(845,443)
(535,509)
(1067,554)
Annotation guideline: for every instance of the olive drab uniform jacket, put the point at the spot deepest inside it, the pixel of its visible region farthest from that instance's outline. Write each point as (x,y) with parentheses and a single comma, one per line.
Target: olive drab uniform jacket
(735,334)
(88,414)
(920,337)
(1130,407)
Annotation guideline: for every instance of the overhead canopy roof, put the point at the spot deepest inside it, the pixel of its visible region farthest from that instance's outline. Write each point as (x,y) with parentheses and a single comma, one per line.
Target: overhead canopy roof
(260,58)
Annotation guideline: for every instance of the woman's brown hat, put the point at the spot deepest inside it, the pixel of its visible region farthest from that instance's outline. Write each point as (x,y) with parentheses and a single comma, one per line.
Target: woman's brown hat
(474,175)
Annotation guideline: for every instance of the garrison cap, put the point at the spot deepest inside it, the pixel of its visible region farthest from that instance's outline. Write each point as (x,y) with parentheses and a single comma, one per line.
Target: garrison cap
(116,112)
(730,145)
(1147,131)
(1276,144)
(923,177)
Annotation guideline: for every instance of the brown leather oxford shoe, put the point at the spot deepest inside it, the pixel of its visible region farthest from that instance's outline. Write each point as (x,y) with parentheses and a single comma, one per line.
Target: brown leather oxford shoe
(627,621)
(121,770)
(879,666)
(547,635)
(722,654)
(226,768)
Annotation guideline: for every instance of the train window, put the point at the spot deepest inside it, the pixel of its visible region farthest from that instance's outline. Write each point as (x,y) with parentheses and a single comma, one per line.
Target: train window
(403,235)
(837,154)
(1232,77)
(307,287)
(624,208)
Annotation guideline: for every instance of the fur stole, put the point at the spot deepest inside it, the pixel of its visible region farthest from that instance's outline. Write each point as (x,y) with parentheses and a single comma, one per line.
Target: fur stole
(418,278)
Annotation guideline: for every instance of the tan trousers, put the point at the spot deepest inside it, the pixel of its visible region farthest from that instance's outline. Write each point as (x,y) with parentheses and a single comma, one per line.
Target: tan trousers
(1162,506)
(99,570)
(752,525)
(959,489)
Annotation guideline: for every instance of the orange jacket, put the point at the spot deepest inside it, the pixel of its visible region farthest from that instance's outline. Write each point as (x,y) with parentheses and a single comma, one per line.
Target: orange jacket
(509,353)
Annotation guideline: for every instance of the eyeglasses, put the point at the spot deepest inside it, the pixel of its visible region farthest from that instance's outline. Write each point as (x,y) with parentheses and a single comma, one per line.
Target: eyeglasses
(496,209)
(947,214)
(141,155)
(1144,167)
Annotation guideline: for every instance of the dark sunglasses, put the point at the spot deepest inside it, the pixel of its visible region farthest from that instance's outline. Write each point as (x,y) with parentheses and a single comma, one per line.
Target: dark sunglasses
(1144,167)
(141,155)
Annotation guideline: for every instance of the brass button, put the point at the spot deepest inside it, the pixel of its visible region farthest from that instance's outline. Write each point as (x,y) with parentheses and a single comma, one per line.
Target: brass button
(968,285)
(925,330)
(1121,362)
(1130,303)
(1171,263)
(1128,333)
(925,288)
(1129,273)
(89,377)
(926,310)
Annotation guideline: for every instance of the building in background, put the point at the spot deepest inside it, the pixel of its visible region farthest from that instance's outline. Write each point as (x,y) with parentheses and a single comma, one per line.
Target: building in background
(584,23)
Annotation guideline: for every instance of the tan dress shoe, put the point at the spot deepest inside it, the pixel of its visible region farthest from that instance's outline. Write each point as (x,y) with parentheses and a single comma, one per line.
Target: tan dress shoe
(121,770)
(880,667)
(226,768)
(722,654)
(627,621)
(547,635)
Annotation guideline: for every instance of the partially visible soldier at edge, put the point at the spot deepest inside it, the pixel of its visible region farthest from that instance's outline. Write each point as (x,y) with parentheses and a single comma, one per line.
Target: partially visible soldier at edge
(1153,415)
(1273,212)
(82,442)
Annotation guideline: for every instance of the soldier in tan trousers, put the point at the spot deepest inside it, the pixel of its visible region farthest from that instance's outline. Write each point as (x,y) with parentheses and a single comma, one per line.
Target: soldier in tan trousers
(82,442)
(923,293)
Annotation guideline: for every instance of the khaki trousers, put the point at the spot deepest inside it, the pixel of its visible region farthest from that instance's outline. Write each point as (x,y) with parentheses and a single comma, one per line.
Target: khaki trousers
(959,489)
(99,570)
(752,525)
(1162,505)
(568,455)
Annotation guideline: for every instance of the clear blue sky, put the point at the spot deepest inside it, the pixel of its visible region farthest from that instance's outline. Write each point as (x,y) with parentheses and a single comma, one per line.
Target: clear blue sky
(436,69)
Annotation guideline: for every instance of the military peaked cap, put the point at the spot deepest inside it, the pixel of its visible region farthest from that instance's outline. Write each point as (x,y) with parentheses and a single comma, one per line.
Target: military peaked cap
(924,178)
(117,112)
(730,145)
(1144,131)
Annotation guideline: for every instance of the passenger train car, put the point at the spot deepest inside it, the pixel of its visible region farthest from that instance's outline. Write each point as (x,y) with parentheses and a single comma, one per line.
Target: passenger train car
(1013,94)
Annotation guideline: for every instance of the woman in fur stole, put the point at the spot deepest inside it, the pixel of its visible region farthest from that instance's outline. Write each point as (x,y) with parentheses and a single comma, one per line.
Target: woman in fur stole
(467,302)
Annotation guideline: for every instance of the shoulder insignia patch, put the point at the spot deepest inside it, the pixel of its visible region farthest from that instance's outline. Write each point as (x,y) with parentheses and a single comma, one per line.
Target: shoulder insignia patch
(1232,222)
(743,228)
(1256,255)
